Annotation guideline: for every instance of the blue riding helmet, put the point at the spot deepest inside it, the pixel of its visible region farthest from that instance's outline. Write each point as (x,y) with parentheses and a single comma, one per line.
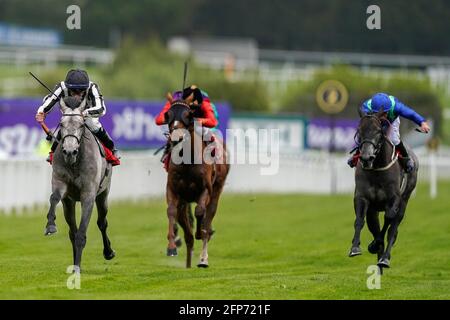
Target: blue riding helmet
(382,101)
(77,79)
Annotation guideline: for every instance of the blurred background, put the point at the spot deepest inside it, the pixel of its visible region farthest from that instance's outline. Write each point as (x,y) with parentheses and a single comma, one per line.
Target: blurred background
(261,62)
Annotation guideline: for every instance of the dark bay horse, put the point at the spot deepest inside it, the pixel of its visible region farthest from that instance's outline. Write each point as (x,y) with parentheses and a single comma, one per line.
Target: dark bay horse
(191,181)
(381,185)
(80,173)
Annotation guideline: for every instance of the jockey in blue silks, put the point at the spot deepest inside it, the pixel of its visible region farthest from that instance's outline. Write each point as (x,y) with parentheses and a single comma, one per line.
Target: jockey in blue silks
(394,109)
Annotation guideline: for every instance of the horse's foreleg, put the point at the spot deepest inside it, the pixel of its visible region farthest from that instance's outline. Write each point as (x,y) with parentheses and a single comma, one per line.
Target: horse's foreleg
(58,191)
(200,211)
(102,208)
(361,206)
(87,204)
(384,260)
(69,215)
(172,208)
(373,223)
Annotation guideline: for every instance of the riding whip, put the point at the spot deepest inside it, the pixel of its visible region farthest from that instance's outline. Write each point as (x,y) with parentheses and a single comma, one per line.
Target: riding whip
(47,131)
(42,84)
(185,75)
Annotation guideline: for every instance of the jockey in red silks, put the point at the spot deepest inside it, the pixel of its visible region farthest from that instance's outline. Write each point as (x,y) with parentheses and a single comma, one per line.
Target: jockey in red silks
(207,111)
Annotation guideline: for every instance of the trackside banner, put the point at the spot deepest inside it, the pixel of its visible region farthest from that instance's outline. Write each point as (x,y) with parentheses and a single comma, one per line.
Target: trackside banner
(130,123)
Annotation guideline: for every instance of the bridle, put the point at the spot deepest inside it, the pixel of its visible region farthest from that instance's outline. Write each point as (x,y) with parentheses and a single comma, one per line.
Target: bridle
(377,146)
(171,120)
(72,135)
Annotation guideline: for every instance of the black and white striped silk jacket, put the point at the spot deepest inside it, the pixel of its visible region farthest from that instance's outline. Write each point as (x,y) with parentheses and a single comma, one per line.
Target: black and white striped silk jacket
(95,105)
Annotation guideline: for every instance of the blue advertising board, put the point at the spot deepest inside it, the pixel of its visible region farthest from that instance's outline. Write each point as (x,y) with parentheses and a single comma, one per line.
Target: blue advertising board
(22,36)
(130,123)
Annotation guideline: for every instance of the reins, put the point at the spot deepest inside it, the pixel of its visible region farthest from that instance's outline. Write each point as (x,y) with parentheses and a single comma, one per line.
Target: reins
(70,135)
(394,156)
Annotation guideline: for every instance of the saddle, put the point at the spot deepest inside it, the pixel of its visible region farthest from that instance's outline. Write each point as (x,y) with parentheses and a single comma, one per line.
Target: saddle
(104,152)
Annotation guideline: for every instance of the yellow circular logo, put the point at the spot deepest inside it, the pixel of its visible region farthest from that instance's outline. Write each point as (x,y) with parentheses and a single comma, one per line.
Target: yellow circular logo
(332,96)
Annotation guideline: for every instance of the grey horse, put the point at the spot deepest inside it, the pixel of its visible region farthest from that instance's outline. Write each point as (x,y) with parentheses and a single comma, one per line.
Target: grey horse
(381,185)
(80,173)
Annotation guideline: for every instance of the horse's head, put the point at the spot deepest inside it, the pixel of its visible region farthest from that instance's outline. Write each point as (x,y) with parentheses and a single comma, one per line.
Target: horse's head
(72,128)
(180,116)
(371,137)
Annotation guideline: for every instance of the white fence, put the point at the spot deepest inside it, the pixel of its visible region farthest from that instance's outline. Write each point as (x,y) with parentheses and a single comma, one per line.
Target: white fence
(25,184)
(23,55)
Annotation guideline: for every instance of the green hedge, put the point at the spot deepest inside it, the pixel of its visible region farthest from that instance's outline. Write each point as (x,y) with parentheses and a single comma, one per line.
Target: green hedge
(411,89)
(148,71)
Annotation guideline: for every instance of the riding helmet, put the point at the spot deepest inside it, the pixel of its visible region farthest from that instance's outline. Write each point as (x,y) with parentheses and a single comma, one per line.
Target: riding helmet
(197,93)
(77,79)
(381,101)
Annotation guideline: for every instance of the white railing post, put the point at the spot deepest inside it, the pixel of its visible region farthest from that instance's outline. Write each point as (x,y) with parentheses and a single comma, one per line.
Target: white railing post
(433,174)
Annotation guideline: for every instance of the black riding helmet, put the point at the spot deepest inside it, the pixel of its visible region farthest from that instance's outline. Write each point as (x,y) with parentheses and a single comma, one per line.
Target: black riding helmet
(77,79)
(197,93)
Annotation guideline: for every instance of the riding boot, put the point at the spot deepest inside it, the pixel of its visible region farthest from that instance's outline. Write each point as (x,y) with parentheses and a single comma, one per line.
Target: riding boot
(405,160)
(166,152)
(106,140)
(53,148)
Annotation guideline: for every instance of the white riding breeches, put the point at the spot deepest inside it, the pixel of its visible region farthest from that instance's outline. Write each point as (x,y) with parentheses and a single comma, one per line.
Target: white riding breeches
(93,124)
(394,132)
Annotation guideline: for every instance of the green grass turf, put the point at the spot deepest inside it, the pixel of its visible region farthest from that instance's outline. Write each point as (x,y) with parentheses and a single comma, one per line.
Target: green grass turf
(265,247)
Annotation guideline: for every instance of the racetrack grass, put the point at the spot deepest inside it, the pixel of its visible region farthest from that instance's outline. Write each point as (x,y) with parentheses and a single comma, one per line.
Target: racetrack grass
(265,247)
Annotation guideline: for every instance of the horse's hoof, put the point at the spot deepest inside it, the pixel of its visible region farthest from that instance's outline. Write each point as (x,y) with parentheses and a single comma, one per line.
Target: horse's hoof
(384,263)
(374,247)
(355,251)
(178,242)
(203,264)
(198,236)
(76,269)
(109,255)
(172,252)
(49,230)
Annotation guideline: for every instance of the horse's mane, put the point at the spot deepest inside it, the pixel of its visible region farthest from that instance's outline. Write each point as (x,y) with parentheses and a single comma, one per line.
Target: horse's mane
(382,122)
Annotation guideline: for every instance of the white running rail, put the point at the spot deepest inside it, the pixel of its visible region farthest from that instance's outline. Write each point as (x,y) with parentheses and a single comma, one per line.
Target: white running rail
(25,184)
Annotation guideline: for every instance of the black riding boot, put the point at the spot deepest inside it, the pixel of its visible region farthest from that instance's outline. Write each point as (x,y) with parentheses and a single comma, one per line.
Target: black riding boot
(54,146)
(55,142)
(406,161)
(166,151)
(105,138)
